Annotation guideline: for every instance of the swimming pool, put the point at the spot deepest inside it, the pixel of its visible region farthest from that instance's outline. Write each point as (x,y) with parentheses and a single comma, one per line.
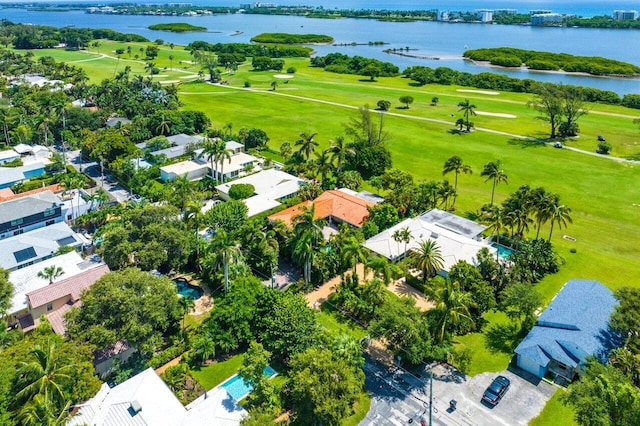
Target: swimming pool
(238,389)
(503,252)
(187,290)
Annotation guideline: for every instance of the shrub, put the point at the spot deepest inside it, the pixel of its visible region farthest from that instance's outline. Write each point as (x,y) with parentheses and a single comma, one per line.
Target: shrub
(291,70)
(240,191)
(604,148)
(247,84)
(167,355)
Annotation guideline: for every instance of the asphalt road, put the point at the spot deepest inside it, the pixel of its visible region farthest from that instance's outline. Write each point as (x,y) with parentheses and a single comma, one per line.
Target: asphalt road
(92,169)
(399,398)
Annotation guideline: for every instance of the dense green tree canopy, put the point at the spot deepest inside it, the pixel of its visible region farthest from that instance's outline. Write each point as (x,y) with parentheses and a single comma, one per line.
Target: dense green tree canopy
(129,305)
(323,387)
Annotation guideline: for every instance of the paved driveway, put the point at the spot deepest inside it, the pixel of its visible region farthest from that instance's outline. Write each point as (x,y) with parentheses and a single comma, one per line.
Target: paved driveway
(399,398)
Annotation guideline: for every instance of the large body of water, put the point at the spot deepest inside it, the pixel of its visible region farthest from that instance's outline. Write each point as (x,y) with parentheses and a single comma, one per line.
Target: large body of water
(433,39)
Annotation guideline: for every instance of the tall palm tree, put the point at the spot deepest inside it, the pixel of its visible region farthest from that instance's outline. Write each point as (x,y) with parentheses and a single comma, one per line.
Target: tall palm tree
(307,233)
(192,214)
(73,181)
(43,127)
(44,373)
(51,273)
(186,304)
(307,144)
(492,171)
(445,192)
(542,204)
(243,132)
(559,214)
(352,252)
(493,216)
(323,165)
(164,127)
(221,154)
(427,258)
(225,250)
(171,61)
(209,147)
(339,152)
(451,307)
(469,109)
(454,164)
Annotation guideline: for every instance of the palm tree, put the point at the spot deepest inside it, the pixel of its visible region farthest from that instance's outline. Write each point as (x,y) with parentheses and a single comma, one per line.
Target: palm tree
(42,411)
(352,252)
(493,216)
(193,213)
(45,122)
(542,204)
(493,172)
(182,190)
(560,214)
(242,134)
(101,197)
(307,144)
(73,181)
(469,109)
(451,307)
(209,147)
(454,164)
(274,85)
(339,152)
(221,154)
(381,268)
(229,127)
(164,127)
(427,258)
(307,232)
(44,373)
(374,293)
(186,304)
(402,235)
(51,273)
(323,165)
(446,191)
(171,61)
(225,250)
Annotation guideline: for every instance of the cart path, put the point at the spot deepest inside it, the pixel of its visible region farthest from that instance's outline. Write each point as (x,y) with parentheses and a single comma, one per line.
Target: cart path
(430,120)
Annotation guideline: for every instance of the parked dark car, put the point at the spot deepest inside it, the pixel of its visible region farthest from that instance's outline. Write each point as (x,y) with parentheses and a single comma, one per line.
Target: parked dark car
(496,390)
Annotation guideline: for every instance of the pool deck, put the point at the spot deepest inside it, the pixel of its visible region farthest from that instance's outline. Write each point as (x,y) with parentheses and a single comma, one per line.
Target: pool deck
(204,303)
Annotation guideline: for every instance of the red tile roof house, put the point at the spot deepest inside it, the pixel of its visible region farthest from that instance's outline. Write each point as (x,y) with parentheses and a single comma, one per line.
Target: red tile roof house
(337,206)
(58,298)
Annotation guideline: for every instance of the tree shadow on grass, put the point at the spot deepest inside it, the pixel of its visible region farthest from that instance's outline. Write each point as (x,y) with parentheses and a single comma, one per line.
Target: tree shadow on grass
(528,142)
(503,338)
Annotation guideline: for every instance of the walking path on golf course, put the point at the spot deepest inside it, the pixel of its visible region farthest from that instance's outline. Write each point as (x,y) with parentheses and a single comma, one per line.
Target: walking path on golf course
(426,119)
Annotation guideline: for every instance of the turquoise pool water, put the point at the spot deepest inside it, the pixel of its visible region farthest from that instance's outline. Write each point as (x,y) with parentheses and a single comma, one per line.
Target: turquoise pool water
(238,389)
(187,290)
(503,252)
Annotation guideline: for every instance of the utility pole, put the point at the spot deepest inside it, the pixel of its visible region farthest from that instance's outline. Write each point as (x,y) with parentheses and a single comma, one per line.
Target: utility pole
(431,397)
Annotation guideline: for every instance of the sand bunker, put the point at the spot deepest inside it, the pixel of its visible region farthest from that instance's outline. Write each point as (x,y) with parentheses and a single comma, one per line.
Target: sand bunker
(283,76)
(496,114)
(169,82)
(483,92)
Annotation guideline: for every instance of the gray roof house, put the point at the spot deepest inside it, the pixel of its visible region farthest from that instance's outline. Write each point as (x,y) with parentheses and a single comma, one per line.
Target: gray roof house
(37,245)
(28,213)
(574,326)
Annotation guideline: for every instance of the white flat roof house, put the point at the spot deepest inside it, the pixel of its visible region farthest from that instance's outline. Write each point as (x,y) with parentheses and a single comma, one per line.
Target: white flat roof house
(271,187)
(458,238)
(197,169)
(146,400)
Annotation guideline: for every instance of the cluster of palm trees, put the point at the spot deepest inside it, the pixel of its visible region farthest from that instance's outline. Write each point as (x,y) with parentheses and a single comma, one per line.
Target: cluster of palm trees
(524,209)
(331,160)
(217,153)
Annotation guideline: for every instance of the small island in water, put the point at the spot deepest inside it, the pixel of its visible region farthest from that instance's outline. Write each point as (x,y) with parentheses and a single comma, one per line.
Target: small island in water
(285,38)
(547,61)
(177,27)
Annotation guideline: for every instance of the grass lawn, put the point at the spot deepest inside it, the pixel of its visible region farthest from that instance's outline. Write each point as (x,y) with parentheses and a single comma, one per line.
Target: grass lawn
(493,348)
(361,409)
(214,374)
(337,324)
(555,413)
